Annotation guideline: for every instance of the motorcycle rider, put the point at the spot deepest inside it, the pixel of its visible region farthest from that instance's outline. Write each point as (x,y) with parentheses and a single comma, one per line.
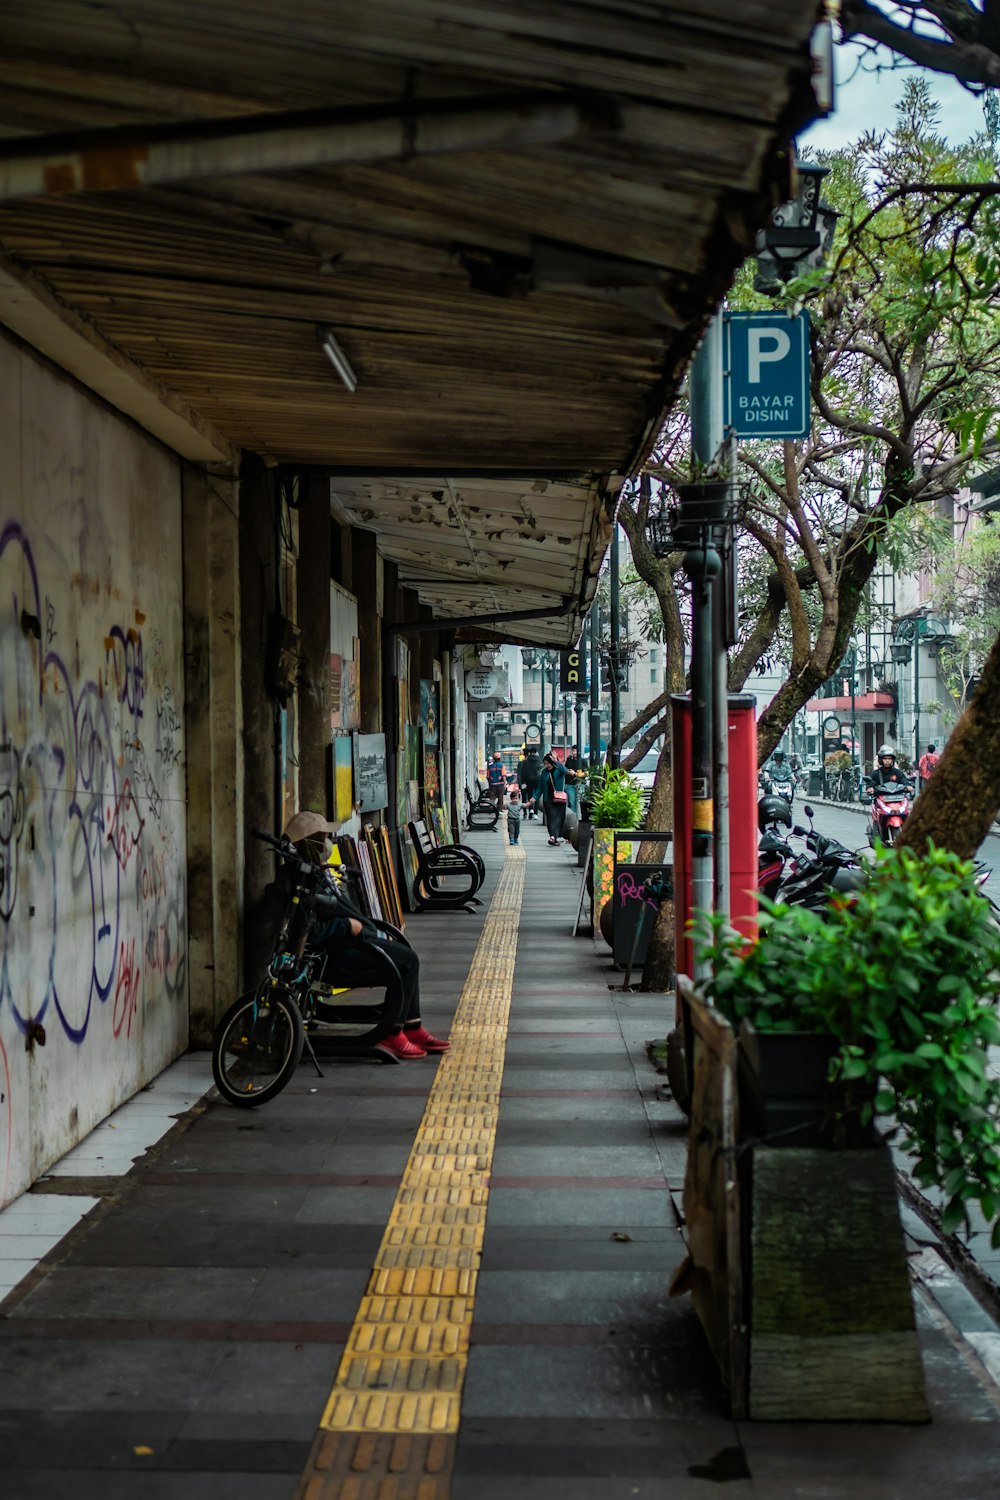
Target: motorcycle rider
(779,769)
(886,771)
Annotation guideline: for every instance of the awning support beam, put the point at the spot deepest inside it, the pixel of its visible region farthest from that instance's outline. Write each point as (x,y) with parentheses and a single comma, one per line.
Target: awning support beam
(118,158)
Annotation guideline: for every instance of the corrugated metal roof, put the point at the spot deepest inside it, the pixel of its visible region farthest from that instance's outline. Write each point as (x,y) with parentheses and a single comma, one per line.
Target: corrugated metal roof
(525,311)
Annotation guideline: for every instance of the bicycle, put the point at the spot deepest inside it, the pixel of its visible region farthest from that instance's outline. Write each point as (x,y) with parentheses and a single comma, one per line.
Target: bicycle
(843,786)
(259,1041)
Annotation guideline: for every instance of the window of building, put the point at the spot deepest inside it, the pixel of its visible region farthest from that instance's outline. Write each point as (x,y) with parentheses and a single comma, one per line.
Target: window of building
(654,675)
(652,656)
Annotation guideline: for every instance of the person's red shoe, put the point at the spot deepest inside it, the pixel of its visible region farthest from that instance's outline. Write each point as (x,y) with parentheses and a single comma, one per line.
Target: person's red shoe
(423,1039)
(398,1047)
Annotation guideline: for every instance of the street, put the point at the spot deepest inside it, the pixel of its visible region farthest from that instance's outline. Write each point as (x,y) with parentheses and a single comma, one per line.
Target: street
(848,824)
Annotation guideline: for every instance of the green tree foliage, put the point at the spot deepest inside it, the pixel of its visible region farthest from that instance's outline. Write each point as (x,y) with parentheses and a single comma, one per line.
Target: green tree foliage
(904,343)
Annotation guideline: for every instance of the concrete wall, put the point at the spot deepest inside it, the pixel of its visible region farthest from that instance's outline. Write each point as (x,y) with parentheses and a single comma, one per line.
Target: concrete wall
(93,913)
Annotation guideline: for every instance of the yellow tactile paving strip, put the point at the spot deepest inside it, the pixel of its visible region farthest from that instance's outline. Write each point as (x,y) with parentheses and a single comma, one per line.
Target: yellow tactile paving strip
(400,1379)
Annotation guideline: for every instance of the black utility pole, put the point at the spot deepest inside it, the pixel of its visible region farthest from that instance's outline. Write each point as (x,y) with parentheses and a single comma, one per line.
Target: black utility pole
(595,684)
(541,686)
(584,664)
(614,673)
(554,660)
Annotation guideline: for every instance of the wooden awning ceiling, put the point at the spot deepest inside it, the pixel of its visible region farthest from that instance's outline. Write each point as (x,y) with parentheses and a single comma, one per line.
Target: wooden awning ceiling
(514,217)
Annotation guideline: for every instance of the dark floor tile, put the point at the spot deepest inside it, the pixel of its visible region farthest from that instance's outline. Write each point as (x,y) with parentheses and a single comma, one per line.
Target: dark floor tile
(511,1249)
(634,1381)
(83,1484)
(60,1375)
(581,1206)
(631,1300)
(131,1240)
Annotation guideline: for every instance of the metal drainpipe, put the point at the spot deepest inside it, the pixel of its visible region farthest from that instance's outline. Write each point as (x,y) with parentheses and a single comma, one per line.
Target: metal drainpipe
(709,749)
(595,684)
(614,747)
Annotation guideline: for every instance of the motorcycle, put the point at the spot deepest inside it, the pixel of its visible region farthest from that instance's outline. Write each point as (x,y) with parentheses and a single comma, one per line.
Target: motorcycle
(783,785)
(824,868)
(888,809)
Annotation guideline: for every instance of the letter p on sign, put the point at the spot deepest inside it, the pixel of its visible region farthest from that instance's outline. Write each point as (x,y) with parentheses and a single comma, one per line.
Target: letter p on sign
(767,346)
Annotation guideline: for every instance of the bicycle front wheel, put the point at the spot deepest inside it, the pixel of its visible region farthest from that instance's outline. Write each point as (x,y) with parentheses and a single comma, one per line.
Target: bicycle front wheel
(257,1047)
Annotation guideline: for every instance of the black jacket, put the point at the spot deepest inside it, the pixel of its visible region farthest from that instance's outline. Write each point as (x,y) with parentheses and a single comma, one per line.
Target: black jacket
(895,775)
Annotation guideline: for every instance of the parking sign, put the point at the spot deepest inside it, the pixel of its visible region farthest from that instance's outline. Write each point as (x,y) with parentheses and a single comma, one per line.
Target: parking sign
(766,375)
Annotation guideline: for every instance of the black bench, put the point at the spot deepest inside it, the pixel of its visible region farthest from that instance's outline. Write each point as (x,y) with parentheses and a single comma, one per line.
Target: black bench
(422,825)
(481,813)
(438,868)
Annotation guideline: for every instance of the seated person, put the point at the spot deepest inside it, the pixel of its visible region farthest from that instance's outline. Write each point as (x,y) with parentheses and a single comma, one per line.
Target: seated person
(887,772)
(347,940)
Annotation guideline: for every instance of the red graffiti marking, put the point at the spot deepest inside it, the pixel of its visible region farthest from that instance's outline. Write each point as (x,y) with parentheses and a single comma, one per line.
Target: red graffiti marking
(125,824)
(126,990)
(154,877)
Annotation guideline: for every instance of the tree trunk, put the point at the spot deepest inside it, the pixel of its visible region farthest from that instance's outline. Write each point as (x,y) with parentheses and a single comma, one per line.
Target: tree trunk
(957,807)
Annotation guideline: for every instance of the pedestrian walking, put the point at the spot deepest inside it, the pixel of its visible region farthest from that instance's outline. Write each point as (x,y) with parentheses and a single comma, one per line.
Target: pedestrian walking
(496,779)
(573,777)
(529,774)
(553,797)
(515,811)
(927,762)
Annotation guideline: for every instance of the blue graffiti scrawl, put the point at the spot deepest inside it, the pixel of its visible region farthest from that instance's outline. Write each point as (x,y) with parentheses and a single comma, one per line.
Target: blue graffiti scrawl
(84,921)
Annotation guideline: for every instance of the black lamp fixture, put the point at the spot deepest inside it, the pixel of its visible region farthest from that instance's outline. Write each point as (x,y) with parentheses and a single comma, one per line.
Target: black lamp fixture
(799,235)
(927,629)
(689,523)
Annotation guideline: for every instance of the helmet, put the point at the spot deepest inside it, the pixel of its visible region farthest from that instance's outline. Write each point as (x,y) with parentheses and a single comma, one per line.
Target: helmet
(773,810)
(886,752)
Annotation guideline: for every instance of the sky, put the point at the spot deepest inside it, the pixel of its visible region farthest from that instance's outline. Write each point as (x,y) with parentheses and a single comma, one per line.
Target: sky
(867,101)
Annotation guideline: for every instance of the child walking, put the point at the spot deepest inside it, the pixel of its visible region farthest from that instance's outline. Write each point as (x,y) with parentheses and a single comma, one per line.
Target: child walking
(515,810)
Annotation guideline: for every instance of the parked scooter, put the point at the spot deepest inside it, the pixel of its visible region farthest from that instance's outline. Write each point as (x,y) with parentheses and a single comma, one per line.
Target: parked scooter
(774,816)
(823,867)
(888,809)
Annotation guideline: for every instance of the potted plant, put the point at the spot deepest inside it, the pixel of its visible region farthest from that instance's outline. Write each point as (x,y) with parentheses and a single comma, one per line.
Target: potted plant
(900,986)
(889,1002)
(615,803)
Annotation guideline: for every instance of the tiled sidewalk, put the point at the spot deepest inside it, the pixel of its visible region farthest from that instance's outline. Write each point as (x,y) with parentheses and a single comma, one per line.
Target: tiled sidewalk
(183,1341)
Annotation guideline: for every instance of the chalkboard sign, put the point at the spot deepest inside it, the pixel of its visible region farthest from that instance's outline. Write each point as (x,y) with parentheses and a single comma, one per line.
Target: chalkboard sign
(628,905)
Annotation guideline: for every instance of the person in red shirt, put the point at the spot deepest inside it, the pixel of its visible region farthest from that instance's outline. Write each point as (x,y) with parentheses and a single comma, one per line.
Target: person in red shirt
(927,762)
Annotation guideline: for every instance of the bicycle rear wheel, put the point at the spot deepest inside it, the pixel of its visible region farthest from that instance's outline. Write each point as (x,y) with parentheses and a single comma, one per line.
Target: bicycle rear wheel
(257,1046)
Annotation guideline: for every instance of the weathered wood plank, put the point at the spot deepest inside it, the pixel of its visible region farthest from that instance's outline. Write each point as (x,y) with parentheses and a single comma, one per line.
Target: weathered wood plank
(832,1330)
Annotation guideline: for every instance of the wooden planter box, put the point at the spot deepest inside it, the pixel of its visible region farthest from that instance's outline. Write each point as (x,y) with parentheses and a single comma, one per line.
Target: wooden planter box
(798,1266)
(785,1094)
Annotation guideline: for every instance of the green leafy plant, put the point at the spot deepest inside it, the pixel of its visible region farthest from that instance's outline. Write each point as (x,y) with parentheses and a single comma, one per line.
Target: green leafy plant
(615,799)
(905,977)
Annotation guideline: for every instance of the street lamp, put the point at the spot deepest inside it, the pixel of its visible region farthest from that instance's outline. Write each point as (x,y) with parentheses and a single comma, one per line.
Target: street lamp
(799,235)
(850,665)
(907,634)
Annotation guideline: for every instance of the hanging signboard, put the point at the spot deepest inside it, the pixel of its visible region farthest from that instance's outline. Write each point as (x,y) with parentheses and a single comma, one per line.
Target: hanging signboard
(487,687)
(572,672)
(765,383)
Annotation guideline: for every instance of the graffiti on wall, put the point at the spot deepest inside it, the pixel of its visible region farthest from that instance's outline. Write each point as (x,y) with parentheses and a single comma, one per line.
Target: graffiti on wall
(92,900)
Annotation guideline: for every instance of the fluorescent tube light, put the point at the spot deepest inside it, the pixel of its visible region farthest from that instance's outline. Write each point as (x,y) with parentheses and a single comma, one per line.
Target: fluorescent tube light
(337,358)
